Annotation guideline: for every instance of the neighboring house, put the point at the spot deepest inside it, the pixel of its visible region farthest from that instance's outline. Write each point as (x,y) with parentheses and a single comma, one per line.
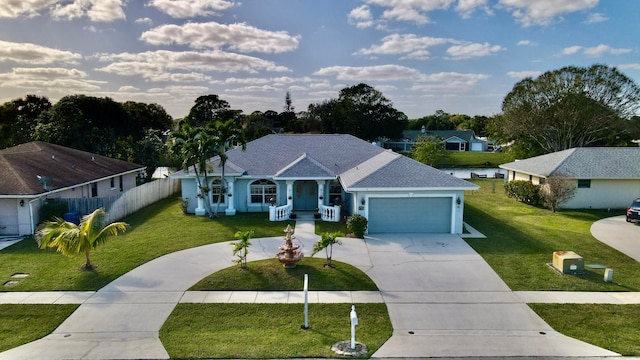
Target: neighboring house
(37,171)
(452,140)
(605,177)
(336,175)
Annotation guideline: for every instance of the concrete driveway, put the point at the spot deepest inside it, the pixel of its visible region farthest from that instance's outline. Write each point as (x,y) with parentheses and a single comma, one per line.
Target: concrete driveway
(619,234)
(445,301)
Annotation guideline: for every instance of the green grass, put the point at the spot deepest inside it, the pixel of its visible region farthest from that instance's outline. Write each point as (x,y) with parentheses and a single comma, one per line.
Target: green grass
(613,327)
(331,227)
(269,275)
(269,330)
(522,238)
(25,323)
(157,230)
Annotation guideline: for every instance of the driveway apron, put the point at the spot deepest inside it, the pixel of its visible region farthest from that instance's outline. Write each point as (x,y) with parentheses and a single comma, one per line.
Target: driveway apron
(445,301)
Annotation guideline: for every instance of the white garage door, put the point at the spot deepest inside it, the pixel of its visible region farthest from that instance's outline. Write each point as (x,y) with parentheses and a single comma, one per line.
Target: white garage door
(407,215)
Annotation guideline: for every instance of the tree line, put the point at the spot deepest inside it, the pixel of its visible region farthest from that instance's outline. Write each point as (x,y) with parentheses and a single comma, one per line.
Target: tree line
(560,109)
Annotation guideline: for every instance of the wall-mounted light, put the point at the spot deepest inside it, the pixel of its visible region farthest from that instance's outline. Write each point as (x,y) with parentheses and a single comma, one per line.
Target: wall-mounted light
(22,202)
(362,201)
(458,201)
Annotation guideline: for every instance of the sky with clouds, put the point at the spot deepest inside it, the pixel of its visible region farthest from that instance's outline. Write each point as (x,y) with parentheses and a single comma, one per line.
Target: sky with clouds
(460,56)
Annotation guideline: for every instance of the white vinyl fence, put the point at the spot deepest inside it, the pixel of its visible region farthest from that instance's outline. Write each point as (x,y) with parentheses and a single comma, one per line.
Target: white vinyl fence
(129,202)
(141,196)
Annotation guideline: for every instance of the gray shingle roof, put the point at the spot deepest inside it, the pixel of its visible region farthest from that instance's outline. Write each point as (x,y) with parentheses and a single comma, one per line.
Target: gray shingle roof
(22,164)
(354,161)
(583,163)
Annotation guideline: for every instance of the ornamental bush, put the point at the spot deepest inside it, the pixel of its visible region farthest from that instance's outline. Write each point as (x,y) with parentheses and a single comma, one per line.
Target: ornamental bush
(524,191)
(357,225)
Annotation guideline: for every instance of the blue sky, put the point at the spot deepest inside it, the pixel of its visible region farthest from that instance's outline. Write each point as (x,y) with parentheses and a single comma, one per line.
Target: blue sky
(460,56)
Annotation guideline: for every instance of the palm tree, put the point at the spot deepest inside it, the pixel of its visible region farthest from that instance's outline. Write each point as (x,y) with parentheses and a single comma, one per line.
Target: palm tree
(241,248)
(71,239)
(227,134)
(326,242)
(195,146)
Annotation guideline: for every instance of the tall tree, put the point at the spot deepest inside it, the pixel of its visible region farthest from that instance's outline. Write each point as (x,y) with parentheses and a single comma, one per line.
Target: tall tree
(361,111)
(226,134)
(571,107)
(207,109)
(195,146)
(19,118)
(71,239)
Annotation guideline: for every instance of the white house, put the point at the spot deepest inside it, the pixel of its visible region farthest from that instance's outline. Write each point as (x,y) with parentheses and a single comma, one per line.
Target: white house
(605,177)
(335,175)
(35,172)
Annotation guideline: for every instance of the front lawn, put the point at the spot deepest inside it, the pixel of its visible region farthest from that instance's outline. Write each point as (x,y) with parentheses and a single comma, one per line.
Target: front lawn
(25,322)
(522,238)
(223,331)
(156,230)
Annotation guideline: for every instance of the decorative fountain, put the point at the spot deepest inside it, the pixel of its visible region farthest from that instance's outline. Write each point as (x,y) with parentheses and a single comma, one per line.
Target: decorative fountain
(289,254)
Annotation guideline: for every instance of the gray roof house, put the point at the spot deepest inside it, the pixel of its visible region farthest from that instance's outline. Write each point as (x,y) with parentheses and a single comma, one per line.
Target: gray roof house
(452,140)
(605,177)
(336,176)
(37,171)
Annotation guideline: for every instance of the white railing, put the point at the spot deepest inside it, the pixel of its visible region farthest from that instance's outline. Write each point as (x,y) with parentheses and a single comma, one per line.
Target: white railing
(279,213)
(330,213)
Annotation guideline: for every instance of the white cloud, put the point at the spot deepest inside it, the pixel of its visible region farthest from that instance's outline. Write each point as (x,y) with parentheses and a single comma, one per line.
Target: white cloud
(414,46)
(544,12)
(467,51)
(95,10)
(526,43)
(191,8)
(186,66)
(571,50)
(144,20)
(28,53)
(448,82)
(468,7)
(47,79)
(128,88)
(523,74)
(595,51)
(602,49)
(635,66)
(596,18)
(29,8)
(361,17)
(238,37)
(369,73)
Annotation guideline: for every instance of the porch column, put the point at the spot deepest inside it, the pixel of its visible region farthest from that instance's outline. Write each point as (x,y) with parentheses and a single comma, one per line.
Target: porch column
(290,193)
(231,208)
(200,210)
(320,193)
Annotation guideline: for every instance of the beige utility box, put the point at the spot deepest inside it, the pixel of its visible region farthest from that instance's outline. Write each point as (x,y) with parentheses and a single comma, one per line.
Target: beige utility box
(568,262)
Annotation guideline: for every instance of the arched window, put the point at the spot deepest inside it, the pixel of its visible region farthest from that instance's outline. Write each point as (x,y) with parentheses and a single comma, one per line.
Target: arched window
(262,191)
(215,192)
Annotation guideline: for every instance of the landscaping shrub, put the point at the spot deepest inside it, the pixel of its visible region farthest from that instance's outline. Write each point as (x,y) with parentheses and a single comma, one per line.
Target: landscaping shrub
(357,225)
(524,191)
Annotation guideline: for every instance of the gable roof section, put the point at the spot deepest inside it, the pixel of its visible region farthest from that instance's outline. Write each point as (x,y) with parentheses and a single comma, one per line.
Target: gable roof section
(405,173)
(583,163)
(22,164)
(304,166)
(364,170)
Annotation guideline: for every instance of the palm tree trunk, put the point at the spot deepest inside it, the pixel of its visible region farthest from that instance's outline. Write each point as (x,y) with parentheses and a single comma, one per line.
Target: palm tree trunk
(87,265)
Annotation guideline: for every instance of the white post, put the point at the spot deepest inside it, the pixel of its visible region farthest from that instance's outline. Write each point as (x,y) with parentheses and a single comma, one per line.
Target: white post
(290,192)
(354,322)
(200,210)
(231,208)
(306,301)
(320,193)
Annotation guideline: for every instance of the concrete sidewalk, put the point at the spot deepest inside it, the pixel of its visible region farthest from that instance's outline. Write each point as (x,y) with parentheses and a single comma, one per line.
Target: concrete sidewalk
(443,300)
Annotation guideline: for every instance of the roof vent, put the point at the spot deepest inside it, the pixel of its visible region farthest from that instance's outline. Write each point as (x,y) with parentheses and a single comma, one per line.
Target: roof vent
(93,158)
(53,157)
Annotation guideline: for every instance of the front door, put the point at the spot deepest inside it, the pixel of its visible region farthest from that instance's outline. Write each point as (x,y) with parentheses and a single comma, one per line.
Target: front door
(305,195)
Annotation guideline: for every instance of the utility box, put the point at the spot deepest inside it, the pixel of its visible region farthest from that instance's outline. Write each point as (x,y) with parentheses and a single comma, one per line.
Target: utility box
(568,262)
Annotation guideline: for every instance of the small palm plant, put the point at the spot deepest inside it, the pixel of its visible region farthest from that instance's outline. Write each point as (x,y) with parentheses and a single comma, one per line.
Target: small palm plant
(241,247)
(71,239)
(326,242)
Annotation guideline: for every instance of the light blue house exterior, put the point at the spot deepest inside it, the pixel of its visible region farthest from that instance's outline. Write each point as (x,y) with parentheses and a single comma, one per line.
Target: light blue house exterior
(337,176)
